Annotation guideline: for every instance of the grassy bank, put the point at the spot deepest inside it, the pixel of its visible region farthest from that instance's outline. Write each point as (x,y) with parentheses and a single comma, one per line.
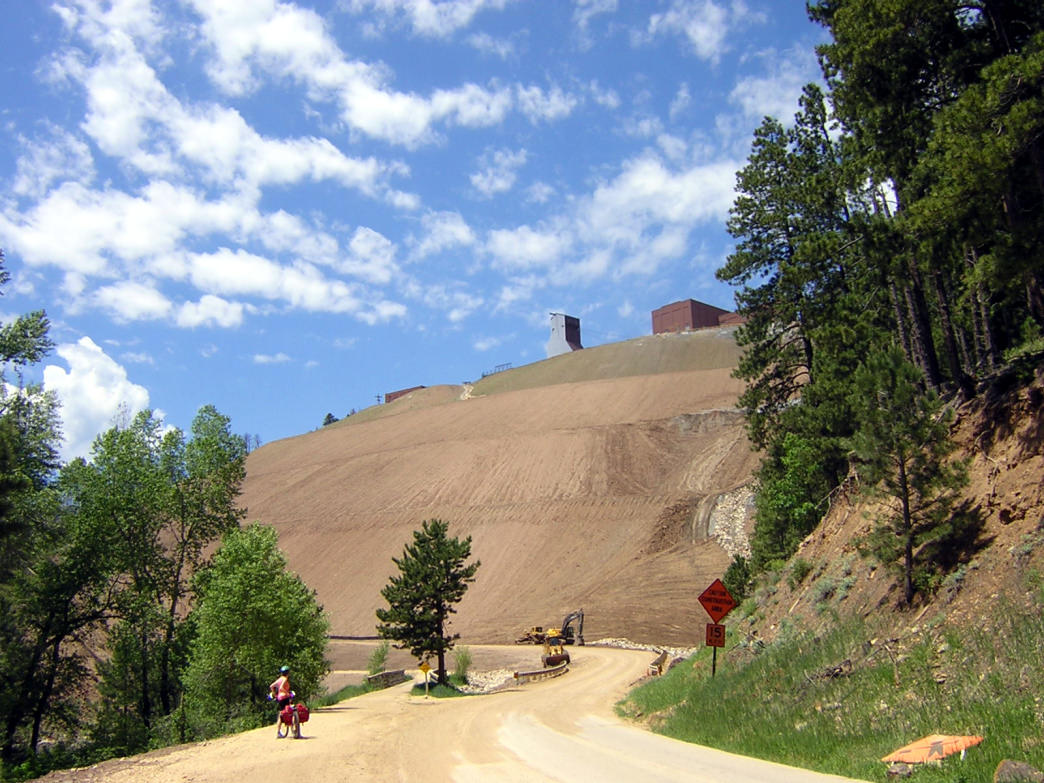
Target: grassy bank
(840,701)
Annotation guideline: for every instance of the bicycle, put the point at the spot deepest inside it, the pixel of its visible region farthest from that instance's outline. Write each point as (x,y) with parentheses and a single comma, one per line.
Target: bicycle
(290,719)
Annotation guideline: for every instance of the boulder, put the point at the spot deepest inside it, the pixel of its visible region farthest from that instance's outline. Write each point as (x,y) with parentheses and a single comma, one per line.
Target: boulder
(1009,771)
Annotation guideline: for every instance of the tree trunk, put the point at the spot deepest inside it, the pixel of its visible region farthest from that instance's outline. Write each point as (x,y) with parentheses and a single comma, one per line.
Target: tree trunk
(45,697)
(922,327)
(953,358)
(904,491)
(900,319)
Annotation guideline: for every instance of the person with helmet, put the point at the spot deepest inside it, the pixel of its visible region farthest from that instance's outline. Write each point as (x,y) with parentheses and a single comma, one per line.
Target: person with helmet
(280,691)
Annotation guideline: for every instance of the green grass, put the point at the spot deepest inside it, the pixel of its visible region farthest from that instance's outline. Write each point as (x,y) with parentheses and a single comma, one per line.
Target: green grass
(436,691)
(347,692)
(776,705)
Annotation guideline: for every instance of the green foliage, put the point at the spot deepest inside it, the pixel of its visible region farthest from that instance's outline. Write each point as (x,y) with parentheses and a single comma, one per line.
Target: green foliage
(433,576)
(253,616)
(901,445)
(737,578)
(379,657)
(462,659)
(793,487)
(777,705)
(799,570)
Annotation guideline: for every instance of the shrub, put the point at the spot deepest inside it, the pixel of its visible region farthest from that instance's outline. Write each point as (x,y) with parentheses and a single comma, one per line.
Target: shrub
(462,657)
(798,571)
(378,658)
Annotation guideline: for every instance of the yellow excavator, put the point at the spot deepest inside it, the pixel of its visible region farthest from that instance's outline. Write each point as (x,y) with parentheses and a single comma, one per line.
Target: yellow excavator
(537,634)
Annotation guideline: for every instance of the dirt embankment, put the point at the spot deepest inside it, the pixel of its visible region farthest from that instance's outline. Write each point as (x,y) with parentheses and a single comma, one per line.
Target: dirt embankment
(1001,435)
(598,493)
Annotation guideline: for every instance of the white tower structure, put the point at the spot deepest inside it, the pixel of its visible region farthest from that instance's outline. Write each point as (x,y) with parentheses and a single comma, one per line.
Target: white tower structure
(565,335)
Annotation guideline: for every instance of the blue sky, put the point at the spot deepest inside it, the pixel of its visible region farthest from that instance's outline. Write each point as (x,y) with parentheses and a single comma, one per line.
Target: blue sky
(285,209)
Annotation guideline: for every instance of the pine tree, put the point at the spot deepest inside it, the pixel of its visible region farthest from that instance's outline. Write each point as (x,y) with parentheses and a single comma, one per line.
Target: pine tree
(900,449)
(433,576)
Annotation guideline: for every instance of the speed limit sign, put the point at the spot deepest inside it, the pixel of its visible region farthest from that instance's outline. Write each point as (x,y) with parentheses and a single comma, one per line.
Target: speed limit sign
(715,635)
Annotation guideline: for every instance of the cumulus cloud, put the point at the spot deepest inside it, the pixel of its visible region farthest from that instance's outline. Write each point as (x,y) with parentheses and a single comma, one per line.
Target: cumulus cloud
(210,311)
(525,247)
(499,170)
(372,256)
(707,26)
(442,230)
(539,105)
(428,18)
(133,301)
(775,95)
(93,390)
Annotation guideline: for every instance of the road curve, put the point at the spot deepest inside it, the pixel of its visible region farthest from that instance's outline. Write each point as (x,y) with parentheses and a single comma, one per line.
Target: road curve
(554,730)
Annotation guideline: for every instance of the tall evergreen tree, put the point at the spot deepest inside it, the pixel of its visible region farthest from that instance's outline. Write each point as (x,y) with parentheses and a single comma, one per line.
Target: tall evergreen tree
(901,448)
(433,576)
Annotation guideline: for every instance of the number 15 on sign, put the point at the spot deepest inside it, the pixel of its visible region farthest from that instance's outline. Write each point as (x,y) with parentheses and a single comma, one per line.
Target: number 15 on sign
(715,635)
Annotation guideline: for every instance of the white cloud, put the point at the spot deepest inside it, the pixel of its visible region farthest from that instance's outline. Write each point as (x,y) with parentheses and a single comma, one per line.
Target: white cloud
(442,230)
(138,357)
(92,391)
(647,194)
(524,247)
(487,343)
(605,97)
(372,257)
(499,171)
(277,358)
(429,18)
(703,23)
(586,10)
(775,95)
(539,193)
(239,273)
(487,44)
(210,311)
(60,157)
(133,301)
(541,106)
(681,101)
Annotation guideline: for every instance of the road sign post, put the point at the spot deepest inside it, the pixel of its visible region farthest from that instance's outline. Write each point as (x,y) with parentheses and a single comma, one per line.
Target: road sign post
(424,667)
(718,602)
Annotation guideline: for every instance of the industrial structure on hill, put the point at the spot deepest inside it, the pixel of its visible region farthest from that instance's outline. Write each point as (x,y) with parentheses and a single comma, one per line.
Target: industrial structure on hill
(565,335)
(690,314)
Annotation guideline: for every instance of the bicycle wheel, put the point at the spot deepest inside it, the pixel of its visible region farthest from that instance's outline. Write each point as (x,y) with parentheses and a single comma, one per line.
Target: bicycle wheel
(297,725)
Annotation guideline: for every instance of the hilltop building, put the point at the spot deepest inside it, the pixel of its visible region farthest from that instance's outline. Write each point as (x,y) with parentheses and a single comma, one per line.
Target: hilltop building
(690,314)
(394,395)
(565,335)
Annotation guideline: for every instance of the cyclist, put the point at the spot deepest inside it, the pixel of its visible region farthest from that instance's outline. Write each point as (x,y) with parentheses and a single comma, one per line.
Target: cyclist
(280,691)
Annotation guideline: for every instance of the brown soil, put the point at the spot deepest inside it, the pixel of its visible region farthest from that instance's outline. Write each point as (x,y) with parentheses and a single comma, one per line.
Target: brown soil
(1002,436)
(591,494)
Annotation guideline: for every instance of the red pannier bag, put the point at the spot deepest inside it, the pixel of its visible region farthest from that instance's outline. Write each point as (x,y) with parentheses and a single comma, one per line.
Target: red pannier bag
(302,713)
(286,715)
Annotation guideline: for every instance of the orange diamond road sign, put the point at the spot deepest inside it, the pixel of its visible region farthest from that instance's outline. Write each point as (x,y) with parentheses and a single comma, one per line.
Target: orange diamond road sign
(717,600)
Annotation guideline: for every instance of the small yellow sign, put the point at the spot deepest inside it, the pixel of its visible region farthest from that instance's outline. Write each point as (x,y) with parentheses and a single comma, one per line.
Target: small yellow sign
(424,667)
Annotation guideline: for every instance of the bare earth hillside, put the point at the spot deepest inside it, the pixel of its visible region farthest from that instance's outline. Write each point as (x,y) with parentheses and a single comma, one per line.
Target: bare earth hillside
(1001,434)
(591,481)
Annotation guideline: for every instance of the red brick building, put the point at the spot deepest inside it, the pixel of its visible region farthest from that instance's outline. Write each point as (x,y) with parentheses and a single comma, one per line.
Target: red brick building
(690,314)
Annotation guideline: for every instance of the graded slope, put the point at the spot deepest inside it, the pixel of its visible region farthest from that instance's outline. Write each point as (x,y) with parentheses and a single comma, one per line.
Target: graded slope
(593,494)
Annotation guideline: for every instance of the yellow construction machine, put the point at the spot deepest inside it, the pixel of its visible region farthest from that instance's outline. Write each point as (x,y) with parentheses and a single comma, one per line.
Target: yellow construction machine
(532,635)
(565,633)
(554,652)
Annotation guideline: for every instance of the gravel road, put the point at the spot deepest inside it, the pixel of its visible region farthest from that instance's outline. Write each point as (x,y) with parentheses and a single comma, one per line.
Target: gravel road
(562,729)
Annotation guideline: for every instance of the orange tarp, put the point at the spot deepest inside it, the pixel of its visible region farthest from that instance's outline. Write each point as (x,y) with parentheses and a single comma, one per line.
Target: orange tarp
(934,747)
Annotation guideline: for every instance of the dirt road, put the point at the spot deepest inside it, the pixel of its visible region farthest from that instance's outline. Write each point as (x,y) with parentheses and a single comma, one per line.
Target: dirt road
(555,730)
